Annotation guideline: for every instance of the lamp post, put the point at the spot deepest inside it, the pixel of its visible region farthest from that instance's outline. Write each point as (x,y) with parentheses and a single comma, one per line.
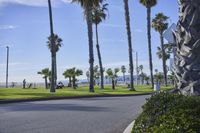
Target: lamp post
(7,66)
(137,72)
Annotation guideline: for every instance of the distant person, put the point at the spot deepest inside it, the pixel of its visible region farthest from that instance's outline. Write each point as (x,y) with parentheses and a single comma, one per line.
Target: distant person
(24,83)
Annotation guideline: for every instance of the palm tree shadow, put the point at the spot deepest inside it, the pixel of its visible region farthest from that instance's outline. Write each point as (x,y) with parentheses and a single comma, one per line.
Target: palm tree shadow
(29,106)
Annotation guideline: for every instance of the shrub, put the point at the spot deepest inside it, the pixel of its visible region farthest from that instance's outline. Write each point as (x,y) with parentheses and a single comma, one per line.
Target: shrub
(166,112)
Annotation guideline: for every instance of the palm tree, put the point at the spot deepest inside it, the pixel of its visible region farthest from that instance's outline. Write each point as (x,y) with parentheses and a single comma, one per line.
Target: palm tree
(87,6)
(149,4)
(98,16)
(123,70)
(187,38)
(76,73)
(58,44)
(72,73)
(68,74)
(53,53)
(113,76)
(140,68)
(88,75)
(159,77)
(167,51)
(146,78)
(128,28)
(160,24)
(96,76)
(46,73)
(143,75)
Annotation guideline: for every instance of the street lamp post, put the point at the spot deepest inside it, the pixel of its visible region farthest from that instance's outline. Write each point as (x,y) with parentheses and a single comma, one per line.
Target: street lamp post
(7,66)
(136,66)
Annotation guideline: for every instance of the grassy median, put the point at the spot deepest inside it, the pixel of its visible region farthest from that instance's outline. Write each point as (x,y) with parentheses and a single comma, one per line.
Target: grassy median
(19,93)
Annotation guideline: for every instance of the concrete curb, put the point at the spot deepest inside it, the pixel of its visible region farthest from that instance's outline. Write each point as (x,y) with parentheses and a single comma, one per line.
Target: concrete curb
(129,128)
(72,97)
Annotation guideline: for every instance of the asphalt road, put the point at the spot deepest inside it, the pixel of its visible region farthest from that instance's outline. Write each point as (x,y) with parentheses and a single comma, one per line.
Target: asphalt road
(87,115)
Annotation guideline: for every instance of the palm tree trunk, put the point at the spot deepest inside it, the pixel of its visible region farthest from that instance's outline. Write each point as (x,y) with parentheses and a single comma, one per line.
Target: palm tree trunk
(187,61)
(127,18)
(52,49)
(70,82)
(46,85)
(163,58)
(113,84)
(99,57)
(74,82)
(91,54)
(149,44)
(55,66)
(124,77)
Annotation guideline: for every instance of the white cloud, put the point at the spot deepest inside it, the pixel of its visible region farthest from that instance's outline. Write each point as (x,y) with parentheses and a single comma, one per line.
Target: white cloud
(7,27)
(38,3)
(139,30)
(113,26)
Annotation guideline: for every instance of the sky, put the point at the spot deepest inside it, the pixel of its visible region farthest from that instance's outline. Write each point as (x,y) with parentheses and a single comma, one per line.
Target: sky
(24,27)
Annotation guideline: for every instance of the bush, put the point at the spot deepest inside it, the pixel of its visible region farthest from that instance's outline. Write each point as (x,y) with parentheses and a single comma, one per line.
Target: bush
(166,112)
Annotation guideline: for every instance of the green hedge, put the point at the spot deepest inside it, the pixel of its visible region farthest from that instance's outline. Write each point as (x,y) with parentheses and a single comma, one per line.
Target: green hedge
(166,112)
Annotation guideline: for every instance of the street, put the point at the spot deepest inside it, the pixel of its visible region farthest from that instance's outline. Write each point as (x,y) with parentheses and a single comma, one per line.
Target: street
(86,115)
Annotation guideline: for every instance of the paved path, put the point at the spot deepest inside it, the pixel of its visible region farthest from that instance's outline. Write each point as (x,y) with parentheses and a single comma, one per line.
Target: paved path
(87,115)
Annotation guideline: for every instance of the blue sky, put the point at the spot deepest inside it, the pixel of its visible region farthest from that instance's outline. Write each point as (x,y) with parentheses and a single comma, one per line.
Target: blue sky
(24,26)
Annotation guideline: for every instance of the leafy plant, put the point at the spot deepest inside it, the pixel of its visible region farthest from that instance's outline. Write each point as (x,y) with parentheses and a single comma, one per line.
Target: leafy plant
(169,113)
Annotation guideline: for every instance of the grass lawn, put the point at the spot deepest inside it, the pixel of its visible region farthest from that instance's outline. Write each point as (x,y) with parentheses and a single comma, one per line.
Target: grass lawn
(19,93)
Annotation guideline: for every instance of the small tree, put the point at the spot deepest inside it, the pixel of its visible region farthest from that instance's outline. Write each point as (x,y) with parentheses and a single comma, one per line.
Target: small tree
(146,78)
(46,73)
(68,74)
(123,70)
(113,75)
(71,74)
(143,75)
(159,77)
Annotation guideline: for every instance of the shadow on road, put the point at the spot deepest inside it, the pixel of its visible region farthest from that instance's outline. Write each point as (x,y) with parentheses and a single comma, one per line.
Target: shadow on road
(56,107)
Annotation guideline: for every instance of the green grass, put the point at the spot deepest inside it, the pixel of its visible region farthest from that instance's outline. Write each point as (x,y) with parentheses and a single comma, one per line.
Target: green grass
(19,93)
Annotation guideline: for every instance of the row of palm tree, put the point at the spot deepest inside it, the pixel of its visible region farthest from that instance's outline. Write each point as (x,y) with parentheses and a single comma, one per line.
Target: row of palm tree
(95,13)
(71,73)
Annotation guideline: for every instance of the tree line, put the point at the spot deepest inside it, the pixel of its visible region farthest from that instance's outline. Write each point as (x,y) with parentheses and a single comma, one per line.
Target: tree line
(95,12)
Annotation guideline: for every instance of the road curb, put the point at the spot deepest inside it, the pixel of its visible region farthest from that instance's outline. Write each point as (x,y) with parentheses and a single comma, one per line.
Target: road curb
(129,128)
(70,97)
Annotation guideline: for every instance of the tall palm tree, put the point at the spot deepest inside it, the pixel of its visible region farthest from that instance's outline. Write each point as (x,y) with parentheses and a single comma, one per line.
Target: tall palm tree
(149,4)
(58,44)
(53,53)
(46,73)
(187,61)
(87,6)
(99,15)
(128,28)
(123,70)
(160,24)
